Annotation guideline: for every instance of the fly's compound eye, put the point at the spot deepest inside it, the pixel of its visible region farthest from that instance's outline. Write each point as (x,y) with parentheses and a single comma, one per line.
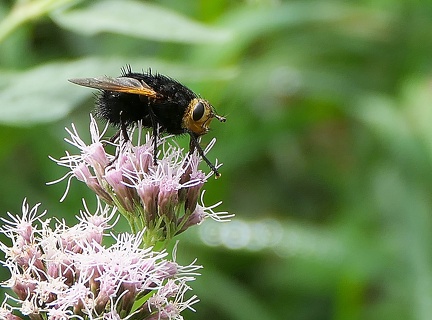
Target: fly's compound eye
(198,116)
(198,111)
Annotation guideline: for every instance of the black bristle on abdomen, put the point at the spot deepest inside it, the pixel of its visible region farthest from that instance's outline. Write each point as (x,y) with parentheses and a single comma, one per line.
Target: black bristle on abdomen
(118,108)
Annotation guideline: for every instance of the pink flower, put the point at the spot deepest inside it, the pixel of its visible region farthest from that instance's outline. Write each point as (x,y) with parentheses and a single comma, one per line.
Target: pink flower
(70,273)
(162,197)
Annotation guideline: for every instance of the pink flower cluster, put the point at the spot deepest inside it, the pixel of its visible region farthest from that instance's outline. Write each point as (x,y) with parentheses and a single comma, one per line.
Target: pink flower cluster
(162,197)
(59,272)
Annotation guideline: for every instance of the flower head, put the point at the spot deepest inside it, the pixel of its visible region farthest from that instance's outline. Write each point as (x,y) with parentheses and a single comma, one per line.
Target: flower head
(69,273)
(162,197)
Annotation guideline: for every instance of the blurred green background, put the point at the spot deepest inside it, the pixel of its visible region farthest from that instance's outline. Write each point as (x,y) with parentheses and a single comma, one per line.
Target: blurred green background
(327,149)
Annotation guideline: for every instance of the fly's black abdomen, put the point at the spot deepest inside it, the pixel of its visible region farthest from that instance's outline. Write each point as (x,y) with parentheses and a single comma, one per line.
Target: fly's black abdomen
(122,108)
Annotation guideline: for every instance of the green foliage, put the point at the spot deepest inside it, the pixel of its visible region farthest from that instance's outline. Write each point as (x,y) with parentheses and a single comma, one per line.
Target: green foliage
(327,149)
(137,19)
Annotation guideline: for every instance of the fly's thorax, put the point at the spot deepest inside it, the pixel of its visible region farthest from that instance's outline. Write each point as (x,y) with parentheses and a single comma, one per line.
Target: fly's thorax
(198,116)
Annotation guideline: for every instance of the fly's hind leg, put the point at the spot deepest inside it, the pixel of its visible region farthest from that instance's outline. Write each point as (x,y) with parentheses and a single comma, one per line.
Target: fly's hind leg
(122,131)
(155,134)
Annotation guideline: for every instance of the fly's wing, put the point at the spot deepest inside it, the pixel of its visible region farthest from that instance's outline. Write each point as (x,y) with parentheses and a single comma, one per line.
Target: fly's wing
(121,84)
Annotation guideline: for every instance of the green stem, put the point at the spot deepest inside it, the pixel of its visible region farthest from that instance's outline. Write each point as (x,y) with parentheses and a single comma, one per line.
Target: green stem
(131,221)
(24,11)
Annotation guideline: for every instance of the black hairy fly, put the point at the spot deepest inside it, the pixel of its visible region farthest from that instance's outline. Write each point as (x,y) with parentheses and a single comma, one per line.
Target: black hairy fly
(158,101)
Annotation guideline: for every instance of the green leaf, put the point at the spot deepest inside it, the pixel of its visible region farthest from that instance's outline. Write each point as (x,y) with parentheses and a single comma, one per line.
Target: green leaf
(43,94)
(138,19)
